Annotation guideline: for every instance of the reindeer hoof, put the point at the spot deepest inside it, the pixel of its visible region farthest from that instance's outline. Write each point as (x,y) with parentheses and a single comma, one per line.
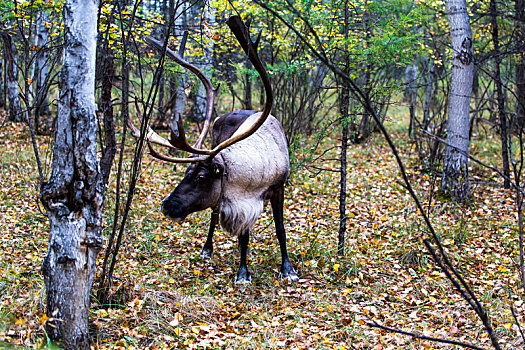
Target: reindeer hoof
(288,272)
(206,253)
(243,276)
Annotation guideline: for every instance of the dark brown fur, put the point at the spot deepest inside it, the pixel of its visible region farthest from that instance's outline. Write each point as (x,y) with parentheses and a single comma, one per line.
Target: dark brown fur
(227,124)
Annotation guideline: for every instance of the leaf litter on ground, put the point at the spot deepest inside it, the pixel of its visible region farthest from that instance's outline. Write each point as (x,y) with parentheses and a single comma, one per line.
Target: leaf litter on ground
(170,298)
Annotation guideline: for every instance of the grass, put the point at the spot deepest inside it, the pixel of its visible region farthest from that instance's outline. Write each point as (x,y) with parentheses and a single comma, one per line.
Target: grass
(170,297)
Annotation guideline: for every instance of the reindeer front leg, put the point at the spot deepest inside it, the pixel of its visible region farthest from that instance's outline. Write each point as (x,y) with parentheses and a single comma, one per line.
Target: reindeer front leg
(207,250)
(243,275)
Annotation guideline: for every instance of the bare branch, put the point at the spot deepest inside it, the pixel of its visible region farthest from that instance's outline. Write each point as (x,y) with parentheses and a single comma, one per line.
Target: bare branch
(424,337)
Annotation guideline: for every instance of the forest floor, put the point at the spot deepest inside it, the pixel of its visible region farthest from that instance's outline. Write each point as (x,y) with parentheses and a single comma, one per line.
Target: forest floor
(171,298)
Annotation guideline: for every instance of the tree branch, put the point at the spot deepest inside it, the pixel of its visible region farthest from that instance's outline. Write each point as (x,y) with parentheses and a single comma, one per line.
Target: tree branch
(424,337)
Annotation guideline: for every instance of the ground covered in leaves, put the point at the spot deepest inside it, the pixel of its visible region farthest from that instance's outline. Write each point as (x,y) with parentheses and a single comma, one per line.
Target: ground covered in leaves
(171,298)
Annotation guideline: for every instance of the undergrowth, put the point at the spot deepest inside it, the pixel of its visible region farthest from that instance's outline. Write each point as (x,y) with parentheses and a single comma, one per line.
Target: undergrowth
(168,297)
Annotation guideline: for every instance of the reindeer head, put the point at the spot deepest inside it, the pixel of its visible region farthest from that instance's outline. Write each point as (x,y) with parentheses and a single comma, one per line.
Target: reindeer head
(203,182)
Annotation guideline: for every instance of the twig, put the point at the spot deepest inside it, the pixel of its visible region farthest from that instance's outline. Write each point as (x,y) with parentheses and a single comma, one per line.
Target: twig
(424,337)
(517,322)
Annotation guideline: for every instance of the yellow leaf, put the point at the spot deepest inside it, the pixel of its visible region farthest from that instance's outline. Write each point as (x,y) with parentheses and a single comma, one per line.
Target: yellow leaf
(336,267)
(44,319)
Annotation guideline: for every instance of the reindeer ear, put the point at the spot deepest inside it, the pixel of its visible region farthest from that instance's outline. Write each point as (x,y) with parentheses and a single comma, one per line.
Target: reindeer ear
(217,169)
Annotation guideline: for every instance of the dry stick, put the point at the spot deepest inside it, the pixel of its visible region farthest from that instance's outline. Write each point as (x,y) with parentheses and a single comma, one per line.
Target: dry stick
(517,322)
(424,337)
(364,100)
(519,203)
(438,261)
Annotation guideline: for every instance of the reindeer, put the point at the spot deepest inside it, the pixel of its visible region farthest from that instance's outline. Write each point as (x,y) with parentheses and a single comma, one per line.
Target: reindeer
(247,165)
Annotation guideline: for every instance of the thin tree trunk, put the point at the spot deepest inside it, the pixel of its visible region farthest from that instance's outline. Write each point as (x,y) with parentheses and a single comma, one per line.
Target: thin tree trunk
(366,125)
(2,90)
(519,6)
(11,55)
(106,68)
(343,162)
(314,85)
(411,91)
(499,95)
(4,81)
(430,91)
(74,194)
(455,167)
(247,87)
(343,106)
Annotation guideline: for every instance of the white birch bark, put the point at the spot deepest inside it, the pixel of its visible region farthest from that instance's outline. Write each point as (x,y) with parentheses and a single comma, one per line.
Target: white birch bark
(180,93)
(13,98)
(205,62)
(41,67)
(73,196)
(455,167)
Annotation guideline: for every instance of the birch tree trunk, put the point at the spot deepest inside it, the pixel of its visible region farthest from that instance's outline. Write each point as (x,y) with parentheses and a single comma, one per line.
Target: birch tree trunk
(455,167)
(11,60)
(74,194)
(180,93)
(41,68)
(204,63)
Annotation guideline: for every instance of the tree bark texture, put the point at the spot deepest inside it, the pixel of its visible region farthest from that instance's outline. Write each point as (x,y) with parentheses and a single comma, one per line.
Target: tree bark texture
(2,90)
(455,167)
(107,75)
(180,93)
(11,70)
(204,63)
(73,196)
(41,68)
(344,98)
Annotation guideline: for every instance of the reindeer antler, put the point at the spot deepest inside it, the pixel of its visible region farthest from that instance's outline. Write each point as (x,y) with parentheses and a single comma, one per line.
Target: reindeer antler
(178,139)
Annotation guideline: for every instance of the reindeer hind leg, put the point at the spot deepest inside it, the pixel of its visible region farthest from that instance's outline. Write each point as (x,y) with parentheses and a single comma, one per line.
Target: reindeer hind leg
(277,200)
